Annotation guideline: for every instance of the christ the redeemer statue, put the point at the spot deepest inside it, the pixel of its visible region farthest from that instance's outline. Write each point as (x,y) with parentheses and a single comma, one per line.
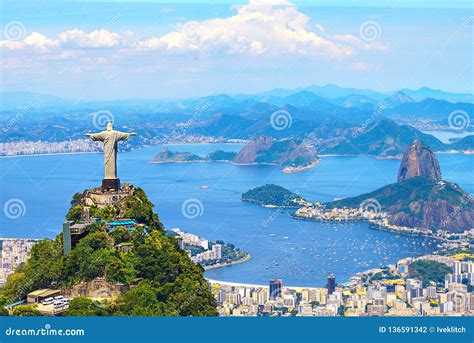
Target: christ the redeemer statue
(110,138)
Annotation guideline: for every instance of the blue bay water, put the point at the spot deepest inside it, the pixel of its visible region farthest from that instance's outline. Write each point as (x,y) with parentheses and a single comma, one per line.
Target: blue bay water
(300,252)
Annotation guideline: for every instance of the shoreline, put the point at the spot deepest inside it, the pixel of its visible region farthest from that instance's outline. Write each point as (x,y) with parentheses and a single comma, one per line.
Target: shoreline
(196,161)
(372,225)
(291,170)
(246,258)
(268,205)
(52,154)
(461,152)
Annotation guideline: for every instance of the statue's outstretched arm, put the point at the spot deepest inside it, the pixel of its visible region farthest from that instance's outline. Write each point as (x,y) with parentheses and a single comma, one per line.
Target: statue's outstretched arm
(124,135)
(95,136)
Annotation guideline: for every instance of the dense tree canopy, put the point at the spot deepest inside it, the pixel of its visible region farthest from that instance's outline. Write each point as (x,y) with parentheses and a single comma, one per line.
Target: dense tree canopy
(430,271)
(166,281)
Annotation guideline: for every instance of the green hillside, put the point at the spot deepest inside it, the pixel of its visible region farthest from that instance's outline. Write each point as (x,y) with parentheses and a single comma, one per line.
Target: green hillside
(421,202)
(169,283)
(272,195)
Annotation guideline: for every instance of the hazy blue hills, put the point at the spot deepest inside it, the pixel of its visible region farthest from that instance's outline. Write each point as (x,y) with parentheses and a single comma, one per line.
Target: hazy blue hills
(464,144)
(428,108)
(383,138)
(355,101)
(425,93)
(331,118)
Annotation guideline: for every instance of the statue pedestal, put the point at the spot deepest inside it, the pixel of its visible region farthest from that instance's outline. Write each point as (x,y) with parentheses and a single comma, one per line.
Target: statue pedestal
(111,185)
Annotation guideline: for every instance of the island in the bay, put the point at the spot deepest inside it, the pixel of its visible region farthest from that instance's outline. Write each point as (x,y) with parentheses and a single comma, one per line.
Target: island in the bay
(290,154)
(273,196)
(168,156)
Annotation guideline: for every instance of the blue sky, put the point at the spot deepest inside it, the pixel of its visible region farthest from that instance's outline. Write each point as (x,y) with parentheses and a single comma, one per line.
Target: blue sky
(112,50)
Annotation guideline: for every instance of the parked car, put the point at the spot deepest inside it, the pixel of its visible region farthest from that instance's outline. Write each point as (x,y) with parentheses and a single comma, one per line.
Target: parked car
(48,301)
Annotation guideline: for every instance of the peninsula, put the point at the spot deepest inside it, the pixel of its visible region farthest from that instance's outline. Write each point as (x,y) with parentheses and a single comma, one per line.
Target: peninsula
(273,196)
(421,202)
(291,155)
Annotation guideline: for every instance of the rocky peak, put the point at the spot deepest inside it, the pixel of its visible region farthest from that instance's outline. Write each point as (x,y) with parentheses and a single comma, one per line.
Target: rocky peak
(250,152)
(419,160)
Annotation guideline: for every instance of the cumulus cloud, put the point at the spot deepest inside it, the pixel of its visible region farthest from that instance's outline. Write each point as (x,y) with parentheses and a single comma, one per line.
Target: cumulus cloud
(71,39)
(257,28)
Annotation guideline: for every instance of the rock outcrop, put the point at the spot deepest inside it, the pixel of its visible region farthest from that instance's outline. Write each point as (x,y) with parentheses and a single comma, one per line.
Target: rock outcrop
(419,160)
(250,152)
(420,199)
(265,150)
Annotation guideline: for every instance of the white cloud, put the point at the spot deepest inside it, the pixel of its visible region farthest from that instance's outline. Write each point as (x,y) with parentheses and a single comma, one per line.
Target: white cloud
(96,39)
(36,41)
(71,39)
(257,28)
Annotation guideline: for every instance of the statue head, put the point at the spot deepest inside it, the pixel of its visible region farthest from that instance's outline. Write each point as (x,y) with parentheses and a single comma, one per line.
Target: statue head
(109,126)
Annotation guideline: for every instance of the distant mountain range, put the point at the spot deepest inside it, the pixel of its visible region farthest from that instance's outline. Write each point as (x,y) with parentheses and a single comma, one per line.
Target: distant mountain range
(332,119)
(383,138)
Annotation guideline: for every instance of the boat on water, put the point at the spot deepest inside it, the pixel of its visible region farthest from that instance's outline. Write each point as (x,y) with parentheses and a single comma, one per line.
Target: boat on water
(204,187)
